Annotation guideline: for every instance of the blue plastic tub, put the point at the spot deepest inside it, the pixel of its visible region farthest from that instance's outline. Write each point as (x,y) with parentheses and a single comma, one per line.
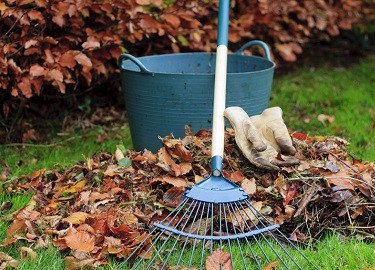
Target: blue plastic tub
(163,93)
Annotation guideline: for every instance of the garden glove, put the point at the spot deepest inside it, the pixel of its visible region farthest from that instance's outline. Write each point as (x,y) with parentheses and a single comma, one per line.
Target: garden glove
(262,137)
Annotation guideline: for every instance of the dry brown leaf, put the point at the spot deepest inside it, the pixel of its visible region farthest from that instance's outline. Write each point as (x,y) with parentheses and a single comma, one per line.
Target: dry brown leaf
(246,214)
(28,252)
(77,218)
(17,226)
(80,240)
(286,52)
(325,119)
(7,261)
(173,196)
(130,219)
(249,186)
(113,244)
(36,15)
(3,7)
(75,188)
(67,60)
(91,44)
(183,153)
(185,167)
(73,263)
(236,176)
(340,179)
(83,60)
(172,20)
(219,260)
(175,181)
(9,241)
(25,87)
(271,265)
(119,154)
(166,159)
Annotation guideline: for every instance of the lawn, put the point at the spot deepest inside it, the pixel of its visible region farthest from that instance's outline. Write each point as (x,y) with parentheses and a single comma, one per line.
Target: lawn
(322,101)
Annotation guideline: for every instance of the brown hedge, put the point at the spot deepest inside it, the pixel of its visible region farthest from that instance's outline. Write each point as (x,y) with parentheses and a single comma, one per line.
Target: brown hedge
(68,45)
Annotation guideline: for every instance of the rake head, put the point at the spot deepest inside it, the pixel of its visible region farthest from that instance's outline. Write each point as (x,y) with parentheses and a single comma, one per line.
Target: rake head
(216,227)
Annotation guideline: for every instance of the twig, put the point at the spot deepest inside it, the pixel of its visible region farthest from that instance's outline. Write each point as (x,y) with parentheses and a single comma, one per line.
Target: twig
(351,178)
(304,178)
(347,212)
(339,159)
(306,199)
(361,227)
(330,177)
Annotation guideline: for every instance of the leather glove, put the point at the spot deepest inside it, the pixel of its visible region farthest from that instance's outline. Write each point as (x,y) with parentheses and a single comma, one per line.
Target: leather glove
(262,137)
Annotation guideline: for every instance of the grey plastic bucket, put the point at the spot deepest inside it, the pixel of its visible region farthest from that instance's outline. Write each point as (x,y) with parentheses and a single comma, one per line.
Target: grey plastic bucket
(163,93)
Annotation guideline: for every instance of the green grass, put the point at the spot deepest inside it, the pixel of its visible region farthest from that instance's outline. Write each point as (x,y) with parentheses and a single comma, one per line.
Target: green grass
(333,252)
(62,152)
(347,94)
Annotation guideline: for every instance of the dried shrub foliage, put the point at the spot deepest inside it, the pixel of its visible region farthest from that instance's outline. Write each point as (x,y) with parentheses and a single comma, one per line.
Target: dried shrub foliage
(67,45)
(106,205)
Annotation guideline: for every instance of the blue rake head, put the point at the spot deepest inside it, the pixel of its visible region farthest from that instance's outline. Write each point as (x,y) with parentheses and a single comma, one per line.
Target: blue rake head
(215,214)
(216,188)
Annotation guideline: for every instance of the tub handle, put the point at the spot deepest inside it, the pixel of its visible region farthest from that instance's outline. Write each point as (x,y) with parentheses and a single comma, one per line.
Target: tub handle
(256,43)
(130,57)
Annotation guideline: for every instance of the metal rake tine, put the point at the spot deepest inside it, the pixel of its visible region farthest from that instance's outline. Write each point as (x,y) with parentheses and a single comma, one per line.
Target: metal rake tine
(296,248)
(220,228)
(186,239)
(246,239)
(253,236)
(205,232)
(230,211)
(178,237)
(227,232)
(195,239)
(256,213)
(140,245)
(212,227)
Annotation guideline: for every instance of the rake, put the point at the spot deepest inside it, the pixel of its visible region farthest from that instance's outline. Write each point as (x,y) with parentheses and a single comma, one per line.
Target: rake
(216,226)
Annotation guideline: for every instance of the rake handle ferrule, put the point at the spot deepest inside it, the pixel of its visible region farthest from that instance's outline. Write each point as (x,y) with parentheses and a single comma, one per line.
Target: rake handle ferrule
(216,165)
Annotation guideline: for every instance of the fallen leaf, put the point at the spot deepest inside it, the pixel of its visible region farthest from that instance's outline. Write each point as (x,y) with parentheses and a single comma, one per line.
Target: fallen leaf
(219,260)
(75,188)
(77,218)
(291,192)
(249,186)
(271,265)
(325,119)
(175,181)
(83,59)
(79,240)
(340,179)
(118,153)
(113,244)
(73,263)
(241,216)
(173,196)
(67,60)
(7,261)
(183,153)
(236,176)
(3,7)
(166,159)
(28,252)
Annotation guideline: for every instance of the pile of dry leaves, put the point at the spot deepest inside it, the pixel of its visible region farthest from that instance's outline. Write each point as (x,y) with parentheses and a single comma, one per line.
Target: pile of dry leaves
(105,205)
